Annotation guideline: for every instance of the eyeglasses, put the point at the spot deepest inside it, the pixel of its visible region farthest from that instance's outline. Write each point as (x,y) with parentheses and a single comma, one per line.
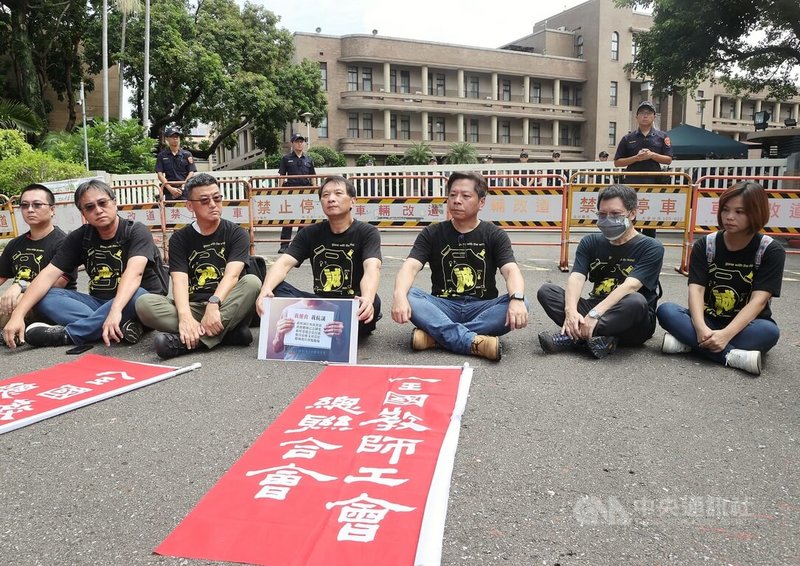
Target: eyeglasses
(102,203)
(604,215)
(36,205)
(205,201)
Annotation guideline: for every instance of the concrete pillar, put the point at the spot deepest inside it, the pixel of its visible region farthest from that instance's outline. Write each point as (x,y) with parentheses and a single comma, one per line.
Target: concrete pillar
(461,83)
(556,125)
(525,130)
(717,106)
(424,125)
(777,116)
(758,105)
(387,125)
(461,134)
(425,80)
(557,91)
(738,112)
(494,87)
(386,77)
(494,129)
(796,112)
(526,90)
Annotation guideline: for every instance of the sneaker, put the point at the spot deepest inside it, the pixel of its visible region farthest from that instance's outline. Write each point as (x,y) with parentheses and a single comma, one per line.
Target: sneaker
(132,332)
(671,345)
(747,360)
(238,336)
(41,334)
(552,343)
(601,346)
(421,340)
(169,346)
(487,347)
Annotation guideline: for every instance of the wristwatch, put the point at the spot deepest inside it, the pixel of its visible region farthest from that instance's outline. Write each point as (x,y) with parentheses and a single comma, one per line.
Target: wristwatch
(214,300)
(23,285)
(594,314)
(516,296)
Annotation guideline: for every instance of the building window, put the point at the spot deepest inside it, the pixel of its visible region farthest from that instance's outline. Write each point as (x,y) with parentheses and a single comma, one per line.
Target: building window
(366,79)
(393,128)
(472,87)
(612,133)
(405,82)
(579,47)
(732,110)
(634,47)
(615,46)
(392,81)
(535,134)
(440,85)
(352,125)
(322,129)
(576,135)
(614,92)
(565,101)
(563,135)
(505,93)
(366,123)
(405,128)
(505,132)
(352,78)
(536,93)
(578,96)
(438,129)
(473,132)
(323,73)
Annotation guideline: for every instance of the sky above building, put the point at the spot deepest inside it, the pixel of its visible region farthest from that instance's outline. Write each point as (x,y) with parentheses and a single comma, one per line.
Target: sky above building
(464,22)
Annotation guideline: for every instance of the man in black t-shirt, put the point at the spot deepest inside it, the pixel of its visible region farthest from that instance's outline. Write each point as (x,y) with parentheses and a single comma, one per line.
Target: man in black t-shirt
(345,257)
(120,259)
(463,313)
(212,298)
(26,255)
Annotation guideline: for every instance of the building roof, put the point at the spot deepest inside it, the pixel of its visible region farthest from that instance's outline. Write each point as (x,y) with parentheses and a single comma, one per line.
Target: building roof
(690,141)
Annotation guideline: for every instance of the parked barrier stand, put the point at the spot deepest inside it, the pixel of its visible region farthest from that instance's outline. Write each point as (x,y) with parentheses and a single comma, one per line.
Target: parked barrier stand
(8,224)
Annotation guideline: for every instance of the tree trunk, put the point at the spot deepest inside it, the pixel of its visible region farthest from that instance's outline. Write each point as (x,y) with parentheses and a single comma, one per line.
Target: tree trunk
(28,84)
(120,66)
(72,114)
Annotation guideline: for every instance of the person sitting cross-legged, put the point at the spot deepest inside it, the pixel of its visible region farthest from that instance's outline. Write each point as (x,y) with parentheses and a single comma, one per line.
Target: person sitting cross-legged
(212,301)
(464,313)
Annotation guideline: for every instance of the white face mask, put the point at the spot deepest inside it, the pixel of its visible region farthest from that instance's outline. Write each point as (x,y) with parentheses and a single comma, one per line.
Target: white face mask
(613,227)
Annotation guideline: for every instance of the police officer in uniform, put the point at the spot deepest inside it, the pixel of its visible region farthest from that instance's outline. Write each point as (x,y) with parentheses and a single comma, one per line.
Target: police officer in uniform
(174,164)
(295,163)
(645,149)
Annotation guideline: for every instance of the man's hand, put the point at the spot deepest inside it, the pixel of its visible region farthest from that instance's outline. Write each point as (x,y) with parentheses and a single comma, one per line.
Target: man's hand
(14,331)
(334,328)
(260,300)
(588,324)
(190,332)
(572,325)
(10,299)
(366,310)
(111,330)
(517,315)
(401,310)
(715,341)
(212,320)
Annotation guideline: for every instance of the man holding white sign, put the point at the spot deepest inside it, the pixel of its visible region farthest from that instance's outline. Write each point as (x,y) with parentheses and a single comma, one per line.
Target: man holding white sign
(345,257)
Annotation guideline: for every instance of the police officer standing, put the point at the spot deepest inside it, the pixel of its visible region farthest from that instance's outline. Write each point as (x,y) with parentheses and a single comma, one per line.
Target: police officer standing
(295,163)
(646,149)
(174,164)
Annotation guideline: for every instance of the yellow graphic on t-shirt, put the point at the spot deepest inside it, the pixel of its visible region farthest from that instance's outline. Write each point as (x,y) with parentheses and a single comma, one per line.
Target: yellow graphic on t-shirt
(24,262)
(104,266)
(465,278)
(605,286)
(463,270)
(205,274)
(331,278)
(333,270)
(724,300)
(206,267)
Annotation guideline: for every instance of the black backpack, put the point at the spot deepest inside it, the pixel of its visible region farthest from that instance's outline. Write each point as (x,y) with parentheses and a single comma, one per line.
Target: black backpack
(127,225)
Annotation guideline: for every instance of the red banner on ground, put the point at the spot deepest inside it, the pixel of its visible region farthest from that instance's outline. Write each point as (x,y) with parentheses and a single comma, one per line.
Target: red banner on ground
(355,471)
(35,396)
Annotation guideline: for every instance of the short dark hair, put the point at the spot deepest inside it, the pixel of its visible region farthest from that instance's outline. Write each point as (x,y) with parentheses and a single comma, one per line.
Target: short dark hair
(630,199)
(338,179)
(481,186)
(93,184)
(51,200)
(199,180)
(755,200)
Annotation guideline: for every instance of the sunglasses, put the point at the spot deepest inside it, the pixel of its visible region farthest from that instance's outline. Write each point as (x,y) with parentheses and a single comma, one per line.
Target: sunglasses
(36,205)
(102,203)
(205,201)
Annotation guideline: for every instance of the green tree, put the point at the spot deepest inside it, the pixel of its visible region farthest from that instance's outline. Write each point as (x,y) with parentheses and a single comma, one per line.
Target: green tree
(394,160)
(419,153)
(34,167)
(12,144)
(218,63)
(364,158)
(17,116)
(325,156)
(116,147)
(748,45)
(461,152)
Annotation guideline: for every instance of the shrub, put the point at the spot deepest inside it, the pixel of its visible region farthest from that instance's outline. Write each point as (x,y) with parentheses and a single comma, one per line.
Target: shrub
(34,167)
(12,144)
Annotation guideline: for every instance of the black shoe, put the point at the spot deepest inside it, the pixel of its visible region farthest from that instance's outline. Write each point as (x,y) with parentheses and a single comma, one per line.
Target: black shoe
(41,334)
(238,336)
(601,346)
(132,332)
(552,343)
(169,346)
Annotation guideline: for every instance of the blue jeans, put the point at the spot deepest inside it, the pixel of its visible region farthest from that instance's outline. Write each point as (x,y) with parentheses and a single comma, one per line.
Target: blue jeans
(454,323)
(761,334)
(82,315)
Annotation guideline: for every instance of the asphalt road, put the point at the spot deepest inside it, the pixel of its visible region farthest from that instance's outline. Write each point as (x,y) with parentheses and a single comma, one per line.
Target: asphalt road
(640,458)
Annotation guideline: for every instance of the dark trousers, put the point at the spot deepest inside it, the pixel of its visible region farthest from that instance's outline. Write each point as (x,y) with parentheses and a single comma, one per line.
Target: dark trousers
(285,289)
(630,320)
